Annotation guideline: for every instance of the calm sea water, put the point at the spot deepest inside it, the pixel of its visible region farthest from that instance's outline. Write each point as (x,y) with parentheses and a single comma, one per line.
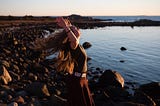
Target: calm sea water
(127,18)
(141,59)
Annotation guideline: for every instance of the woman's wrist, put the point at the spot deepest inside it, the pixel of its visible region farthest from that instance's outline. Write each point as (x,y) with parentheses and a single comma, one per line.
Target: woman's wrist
(67,29)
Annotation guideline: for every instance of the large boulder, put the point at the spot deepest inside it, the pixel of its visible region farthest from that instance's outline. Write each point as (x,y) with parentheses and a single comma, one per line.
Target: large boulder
(4,75)
(111,78)
(86,45)
(141,97)
(152,89)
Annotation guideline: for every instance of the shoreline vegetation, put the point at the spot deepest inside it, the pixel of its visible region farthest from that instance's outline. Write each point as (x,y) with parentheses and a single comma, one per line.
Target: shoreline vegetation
(28,78)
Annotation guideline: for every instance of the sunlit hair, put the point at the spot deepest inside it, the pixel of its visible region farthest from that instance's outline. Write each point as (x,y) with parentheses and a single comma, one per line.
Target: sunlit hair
(57,42)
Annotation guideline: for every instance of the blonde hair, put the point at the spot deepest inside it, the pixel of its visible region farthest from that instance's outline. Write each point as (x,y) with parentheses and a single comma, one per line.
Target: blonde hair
(57,42)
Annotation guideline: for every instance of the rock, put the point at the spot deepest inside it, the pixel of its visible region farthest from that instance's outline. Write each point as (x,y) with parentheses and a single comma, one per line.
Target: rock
(19,99)
(57,100)
(123,49)
(21,93)
(3,104)
(117,94)
(14,76)
(38,89)
(32,77)
(3,94)
(6,51)
(4,75)
(111,78)
(143,98)
(122,61)
(38,68)
(152,89)
(128,104)
(5,63)
(13,104)
(86,45)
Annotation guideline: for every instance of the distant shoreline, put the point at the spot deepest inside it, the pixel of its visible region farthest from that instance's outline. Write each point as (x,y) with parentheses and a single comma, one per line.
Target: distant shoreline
(83,22)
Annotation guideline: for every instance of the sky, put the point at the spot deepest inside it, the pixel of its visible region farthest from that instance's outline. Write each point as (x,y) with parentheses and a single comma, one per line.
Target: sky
(81,7)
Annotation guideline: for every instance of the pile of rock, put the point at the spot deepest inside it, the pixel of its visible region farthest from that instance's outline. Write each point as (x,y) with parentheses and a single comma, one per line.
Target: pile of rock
(28,78)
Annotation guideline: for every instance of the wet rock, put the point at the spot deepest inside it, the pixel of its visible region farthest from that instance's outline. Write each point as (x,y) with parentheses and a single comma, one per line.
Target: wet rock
(5,77)
(38,89)
(122,61)
(86,45)
(123,49)
(111,78)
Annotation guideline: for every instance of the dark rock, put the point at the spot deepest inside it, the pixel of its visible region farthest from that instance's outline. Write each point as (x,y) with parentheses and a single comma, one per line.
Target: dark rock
(143,98)
(98,69)
(38,89)
(128,104)
(32,77)
(38,68)
(13,104)
(57,100)
(152,89)
(3,104)
(111,78)
(89,58)
(86,45)
(117,94)
(19,99)
(5,63)
(122,61)
(21,93)
(14,76)
(123,49)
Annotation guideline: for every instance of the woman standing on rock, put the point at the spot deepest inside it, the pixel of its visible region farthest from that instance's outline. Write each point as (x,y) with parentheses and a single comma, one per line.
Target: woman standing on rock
(72,58)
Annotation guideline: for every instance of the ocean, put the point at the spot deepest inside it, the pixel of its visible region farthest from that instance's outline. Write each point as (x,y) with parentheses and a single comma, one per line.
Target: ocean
(126,18)
(141,59)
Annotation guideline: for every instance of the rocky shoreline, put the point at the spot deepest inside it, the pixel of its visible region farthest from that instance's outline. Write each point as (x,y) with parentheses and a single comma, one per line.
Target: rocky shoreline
(82,22)
(27,78)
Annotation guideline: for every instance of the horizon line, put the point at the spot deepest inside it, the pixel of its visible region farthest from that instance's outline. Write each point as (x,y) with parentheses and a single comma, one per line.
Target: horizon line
(72,14)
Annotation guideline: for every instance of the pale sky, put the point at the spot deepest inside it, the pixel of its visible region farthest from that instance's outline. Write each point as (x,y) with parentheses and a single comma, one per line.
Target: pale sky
(81,7)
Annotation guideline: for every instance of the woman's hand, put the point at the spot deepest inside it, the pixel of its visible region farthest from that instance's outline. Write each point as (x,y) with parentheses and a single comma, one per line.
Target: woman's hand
(63,22)
(76,31)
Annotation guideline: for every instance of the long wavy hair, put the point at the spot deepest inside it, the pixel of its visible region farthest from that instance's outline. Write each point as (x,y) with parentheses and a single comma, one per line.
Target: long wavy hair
(57,42)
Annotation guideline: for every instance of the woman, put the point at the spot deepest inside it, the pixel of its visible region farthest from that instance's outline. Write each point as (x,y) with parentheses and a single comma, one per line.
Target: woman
(72,58)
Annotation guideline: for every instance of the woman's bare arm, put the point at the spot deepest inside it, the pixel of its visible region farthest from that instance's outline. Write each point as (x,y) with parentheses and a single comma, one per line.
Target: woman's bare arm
(74,40)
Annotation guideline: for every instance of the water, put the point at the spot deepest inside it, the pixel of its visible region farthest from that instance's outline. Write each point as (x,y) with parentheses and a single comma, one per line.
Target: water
(127,18)
(142,57)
